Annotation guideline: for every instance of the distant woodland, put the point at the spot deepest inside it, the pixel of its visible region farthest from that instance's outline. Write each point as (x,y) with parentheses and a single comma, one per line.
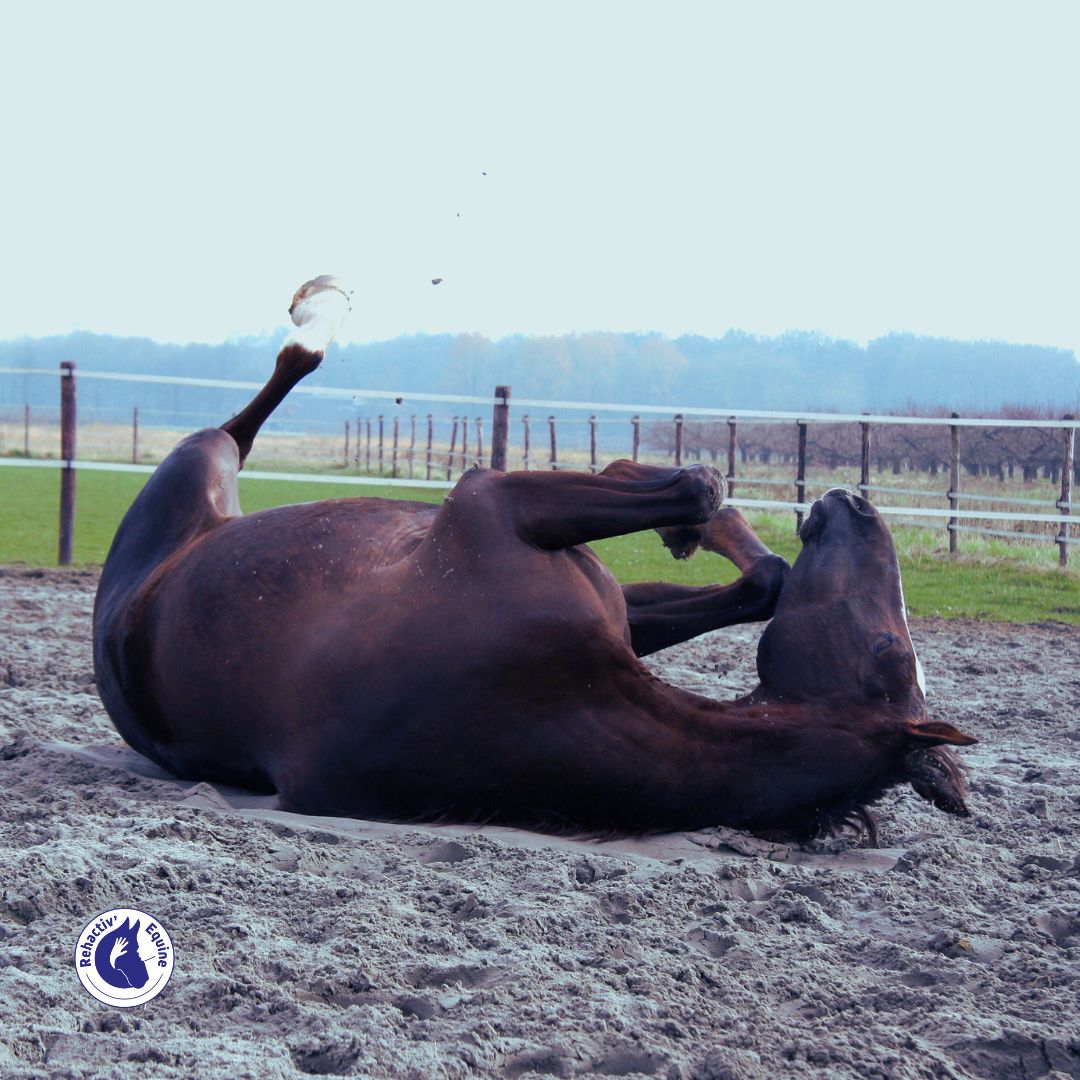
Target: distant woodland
(795,371)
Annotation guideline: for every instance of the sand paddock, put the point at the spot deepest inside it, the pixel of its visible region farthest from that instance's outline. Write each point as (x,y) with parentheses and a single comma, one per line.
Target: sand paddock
(333,947)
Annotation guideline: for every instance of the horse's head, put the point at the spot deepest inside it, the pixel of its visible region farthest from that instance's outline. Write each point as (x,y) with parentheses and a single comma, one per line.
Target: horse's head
(117,957)
(840,637)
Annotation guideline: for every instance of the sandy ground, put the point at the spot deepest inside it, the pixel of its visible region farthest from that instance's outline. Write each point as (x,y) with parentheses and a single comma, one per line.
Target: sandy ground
(323,946)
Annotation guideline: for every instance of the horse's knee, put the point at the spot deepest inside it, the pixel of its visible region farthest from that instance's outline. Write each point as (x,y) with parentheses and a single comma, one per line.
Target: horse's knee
(766,576)
(708,490)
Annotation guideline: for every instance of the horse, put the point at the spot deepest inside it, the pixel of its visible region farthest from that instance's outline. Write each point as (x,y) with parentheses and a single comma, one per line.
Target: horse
(476,661)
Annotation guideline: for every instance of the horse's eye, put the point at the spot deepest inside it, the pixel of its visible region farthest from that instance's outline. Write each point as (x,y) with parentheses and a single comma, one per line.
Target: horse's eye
(882,643)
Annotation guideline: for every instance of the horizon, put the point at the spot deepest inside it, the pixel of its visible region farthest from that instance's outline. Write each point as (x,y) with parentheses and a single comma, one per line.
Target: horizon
(269,336)
(799,371)
(847,169)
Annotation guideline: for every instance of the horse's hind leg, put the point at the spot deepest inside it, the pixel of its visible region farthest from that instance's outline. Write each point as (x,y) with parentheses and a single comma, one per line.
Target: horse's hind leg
(194,488)
(317,309)
(661,614)
(293,363)
(558,510)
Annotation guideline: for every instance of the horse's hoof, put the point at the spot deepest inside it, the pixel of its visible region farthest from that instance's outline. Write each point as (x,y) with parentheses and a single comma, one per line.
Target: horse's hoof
(298,309)
(711,490)
(318,309)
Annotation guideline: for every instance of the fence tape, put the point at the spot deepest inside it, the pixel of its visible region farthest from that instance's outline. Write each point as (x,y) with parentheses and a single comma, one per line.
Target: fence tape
(687,411)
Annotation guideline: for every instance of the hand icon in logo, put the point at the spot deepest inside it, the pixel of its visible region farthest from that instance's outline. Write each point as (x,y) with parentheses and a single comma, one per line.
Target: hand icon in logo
(117,958)
(119,948)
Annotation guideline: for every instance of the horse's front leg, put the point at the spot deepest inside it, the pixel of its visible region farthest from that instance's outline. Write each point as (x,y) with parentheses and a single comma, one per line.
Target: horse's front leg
(558,510)
(661,614)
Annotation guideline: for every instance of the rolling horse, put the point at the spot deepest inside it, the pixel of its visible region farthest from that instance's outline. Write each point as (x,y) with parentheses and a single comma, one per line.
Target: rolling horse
(475,661)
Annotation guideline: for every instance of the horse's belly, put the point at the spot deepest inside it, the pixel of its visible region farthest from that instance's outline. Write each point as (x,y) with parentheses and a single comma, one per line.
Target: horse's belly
(270,653)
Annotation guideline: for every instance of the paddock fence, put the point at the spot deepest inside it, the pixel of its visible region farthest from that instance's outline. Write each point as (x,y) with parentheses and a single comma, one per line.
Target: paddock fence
(995,477)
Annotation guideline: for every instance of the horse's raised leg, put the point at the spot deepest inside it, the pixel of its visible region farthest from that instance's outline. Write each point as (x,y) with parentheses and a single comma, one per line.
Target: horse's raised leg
(318,309)
(293,363)
(558,510)
(194,488)
(661,615)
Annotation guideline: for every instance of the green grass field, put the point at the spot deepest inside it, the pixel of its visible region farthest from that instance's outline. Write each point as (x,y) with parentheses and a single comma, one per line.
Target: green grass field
(984,584)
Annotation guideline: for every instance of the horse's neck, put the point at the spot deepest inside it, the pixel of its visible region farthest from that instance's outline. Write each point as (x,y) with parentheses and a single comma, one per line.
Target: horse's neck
(756,755)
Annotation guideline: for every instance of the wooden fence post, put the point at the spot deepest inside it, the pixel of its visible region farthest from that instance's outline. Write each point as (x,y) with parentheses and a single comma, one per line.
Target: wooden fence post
(1064,505)
(678,439)
(26,430)
(135,435)
(430,437)
(592,444)
(954,484)
(635,422)
(67,455)
(525,423)
(453,443)
(800,475)
(367,445)
(864,462)
(464,441)
(412,444)
(500,429)
(732,445)
(393,451)
(356,456)
(480,441)
(345,462)
(551,427)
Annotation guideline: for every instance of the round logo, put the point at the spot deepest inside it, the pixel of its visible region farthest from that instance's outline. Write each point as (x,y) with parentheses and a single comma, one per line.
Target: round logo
(124,957)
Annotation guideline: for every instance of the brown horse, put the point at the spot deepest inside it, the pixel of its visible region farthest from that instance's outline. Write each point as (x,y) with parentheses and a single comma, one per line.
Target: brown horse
(474,661)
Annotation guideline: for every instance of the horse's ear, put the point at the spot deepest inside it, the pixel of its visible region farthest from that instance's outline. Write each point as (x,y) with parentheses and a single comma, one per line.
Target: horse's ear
(936,732)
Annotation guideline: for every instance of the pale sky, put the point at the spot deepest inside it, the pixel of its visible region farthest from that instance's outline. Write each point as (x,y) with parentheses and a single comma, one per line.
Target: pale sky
(175,170)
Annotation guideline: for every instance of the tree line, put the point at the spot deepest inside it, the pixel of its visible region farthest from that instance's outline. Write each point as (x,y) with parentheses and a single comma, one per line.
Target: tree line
(794,371)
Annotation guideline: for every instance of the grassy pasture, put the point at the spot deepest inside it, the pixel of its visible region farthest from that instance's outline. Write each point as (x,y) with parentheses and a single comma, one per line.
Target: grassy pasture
(984,583)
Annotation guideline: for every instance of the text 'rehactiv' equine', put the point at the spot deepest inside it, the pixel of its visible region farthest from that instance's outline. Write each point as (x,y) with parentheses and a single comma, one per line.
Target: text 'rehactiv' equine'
(474,661)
